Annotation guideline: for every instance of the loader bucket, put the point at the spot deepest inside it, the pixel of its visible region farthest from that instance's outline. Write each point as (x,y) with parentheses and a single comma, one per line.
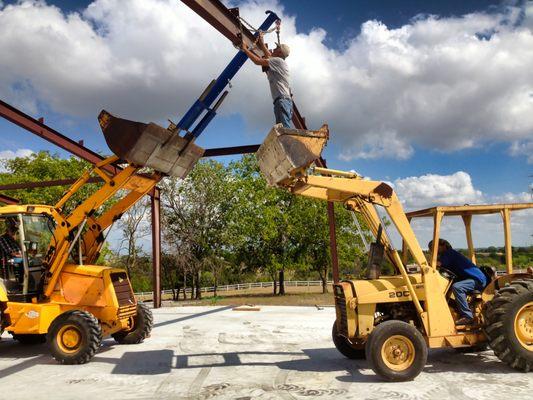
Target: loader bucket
(287,153)
(149,145)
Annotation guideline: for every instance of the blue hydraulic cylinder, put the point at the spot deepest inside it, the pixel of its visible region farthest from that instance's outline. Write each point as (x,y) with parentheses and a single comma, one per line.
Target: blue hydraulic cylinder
(220,84)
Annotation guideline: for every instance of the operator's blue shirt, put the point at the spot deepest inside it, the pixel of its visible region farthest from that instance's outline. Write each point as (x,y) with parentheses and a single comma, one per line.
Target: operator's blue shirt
(462,267)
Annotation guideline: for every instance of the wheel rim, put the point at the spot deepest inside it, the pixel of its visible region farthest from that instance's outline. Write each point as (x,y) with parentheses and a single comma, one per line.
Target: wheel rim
(69,339)
(398,353)
(523,326)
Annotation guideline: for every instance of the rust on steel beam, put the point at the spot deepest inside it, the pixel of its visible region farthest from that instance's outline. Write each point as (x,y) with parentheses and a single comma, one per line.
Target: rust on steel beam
(8,199)
(42,130)
(156,245)
(41,184)
(223,20)
(228,151)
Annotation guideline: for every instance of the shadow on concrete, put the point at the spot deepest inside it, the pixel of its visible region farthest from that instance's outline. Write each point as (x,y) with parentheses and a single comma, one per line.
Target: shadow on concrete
(451,360)
(162,361)
(191,316)
(27,355)
(306,360)
(155,362)
(134,363)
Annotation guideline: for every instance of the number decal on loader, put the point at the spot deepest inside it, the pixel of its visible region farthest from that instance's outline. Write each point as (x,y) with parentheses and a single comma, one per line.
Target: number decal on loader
(393,295)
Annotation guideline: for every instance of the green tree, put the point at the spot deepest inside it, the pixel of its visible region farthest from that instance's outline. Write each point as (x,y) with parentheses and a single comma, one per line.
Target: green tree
(196,212)
(43,166)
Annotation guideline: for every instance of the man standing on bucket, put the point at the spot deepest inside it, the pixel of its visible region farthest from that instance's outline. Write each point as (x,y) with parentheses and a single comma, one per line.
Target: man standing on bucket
(278,77)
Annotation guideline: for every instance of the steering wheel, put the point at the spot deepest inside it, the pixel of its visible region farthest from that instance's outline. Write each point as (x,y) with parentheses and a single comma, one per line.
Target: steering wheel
(447,273)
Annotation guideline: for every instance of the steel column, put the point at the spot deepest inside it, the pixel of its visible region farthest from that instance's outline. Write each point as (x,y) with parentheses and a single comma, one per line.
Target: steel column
(156,245)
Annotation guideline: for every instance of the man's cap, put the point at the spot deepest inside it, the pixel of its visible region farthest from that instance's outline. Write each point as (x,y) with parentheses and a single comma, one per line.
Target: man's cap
(285,50)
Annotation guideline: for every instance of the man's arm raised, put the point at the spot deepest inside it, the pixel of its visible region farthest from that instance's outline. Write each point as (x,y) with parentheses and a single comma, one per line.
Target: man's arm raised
(261,45)
(255,59)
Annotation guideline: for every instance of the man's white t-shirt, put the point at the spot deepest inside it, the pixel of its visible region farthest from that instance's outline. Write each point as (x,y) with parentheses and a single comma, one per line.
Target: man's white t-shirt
(278,78)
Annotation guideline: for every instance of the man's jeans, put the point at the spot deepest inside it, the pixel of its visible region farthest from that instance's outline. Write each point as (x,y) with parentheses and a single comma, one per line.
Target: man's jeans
(283,111)
(460,289)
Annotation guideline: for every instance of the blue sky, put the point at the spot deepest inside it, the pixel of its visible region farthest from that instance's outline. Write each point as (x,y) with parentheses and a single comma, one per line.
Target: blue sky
(369,41)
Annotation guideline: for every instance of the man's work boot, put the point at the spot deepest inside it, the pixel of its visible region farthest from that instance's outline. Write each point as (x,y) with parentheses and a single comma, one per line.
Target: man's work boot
(464,321)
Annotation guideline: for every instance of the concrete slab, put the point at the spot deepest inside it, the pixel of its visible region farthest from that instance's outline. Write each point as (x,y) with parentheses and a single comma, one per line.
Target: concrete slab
(215,353)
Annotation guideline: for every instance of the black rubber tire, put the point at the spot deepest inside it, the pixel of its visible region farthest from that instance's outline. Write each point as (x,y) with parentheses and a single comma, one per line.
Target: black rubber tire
(345,347)
(142,326)
(377,339)
(499,315)
(88,328)
(29,339)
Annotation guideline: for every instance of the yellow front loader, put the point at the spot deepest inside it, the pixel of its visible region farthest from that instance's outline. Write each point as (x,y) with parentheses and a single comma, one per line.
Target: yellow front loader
(392,321)
(50,289)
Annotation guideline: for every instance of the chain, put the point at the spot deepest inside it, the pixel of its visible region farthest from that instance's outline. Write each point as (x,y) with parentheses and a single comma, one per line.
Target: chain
(254,30)
(250,27)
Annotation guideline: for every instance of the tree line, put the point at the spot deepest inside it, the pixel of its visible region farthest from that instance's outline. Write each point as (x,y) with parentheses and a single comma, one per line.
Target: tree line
(220,225)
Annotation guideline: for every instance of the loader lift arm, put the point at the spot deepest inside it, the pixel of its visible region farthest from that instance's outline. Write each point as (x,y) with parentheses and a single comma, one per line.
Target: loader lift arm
(84,214)
(362,196)
(284,159)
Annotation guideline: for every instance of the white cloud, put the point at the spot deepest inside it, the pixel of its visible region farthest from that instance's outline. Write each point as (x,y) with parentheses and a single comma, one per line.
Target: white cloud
(457,189)
(524,148)
(381,145)
(522,197)
(432,83)
(430,190)
(10,154)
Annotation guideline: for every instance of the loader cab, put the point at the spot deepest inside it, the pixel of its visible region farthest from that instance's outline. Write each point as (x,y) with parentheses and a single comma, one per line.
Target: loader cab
(24,241)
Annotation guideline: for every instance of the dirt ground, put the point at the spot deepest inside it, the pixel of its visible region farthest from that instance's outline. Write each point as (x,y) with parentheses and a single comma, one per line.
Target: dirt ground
(310,295)
(294,298)
(275,353)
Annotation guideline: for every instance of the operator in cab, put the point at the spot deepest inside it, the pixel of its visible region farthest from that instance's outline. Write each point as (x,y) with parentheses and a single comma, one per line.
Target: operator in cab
(9,246)
(278,77)
(469,278)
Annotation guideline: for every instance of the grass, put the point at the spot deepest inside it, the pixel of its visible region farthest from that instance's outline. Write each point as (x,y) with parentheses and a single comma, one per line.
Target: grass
(260,299)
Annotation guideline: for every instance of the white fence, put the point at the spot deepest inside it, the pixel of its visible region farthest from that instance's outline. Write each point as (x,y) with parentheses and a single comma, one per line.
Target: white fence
(255,285)
(239,286)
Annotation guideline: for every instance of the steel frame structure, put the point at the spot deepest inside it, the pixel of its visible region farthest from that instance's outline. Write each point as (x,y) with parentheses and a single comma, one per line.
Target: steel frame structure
(226,21)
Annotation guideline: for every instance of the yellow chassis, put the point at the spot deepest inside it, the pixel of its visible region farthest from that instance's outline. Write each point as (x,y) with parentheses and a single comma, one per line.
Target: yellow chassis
(88,288)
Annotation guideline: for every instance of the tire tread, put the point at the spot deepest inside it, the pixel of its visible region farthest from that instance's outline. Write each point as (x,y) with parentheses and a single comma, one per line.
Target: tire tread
(496,329)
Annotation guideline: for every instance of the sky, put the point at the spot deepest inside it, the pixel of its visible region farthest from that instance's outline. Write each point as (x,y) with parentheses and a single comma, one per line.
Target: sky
(434,97)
